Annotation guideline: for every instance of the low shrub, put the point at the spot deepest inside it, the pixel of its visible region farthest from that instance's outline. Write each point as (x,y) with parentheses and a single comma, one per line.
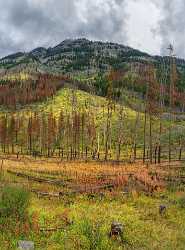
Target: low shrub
(93,234)
(181,202)
(14,202)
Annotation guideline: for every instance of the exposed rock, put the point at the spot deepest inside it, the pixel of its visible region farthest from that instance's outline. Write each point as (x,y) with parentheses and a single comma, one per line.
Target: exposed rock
(162,209)
(116,229)
(25,245)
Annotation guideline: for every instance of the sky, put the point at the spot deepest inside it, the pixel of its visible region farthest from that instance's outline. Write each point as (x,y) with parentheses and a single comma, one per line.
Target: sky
(147,25)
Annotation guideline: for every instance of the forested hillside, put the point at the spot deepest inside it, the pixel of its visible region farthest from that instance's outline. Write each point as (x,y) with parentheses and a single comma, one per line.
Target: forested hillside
(54,113)
(87,65)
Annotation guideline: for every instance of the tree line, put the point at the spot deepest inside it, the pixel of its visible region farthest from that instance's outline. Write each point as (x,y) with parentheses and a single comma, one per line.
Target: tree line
(14,93)
(77,133)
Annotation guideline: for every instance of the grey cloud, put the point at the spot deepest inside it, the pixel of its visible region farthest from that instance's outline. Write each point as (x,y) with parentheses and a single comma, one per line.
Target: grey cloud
(109,24)
(172,25)
(26,24)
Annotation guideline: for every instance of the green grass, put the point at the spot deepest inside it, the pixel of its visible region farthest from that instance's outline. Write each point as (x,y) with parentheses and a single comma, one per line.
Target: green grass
(14,201)
(97,107)
(63,101)
(85,222)
(144,228)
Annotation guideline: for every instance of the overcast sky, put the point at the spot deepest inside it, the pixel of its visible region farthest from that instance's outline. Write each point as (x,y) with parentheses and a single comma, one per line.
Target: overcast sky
(148,25)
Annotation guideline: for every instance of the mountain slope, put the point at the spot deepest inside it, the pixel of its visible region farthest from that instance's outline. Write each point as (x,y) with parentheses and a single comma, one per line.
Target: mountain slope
(86,62)
(78,56)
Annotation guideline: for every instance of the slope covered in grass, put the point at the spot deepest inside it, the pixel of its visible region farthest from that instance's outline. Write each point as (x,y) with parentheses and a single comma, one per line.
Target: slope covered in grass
(130,124)
(64,98)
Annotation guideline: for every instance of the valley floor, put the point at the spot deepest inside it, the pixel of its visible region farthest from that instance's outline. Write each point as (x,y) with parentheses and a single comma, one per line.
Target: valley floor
(72,206)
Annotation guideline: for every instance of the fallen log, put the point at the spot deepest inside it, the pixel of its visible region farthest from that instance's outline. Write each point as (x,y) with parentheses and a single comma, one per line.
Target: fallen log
(80,190)
(147,187)
(37,179)
(95,188)
(51,229)
(173,179)
(40,193)
(104,175)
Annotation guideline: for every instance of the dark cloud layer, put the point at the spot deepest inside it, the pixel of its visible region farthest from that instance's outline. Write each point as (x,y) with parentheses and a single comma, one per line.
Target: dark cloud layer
(26,24)
(172,25)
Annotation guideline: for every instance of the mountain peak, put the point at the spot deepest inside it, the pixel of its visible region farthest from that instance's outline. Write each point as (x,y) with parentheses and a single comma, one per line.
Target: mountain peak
(38,52)
(79,56)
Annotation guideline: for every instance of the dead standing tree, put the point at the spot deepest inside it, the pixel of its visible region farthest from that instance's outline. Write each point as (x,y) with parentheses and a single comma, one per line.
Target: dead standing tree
(145,76)
(153,110)
(173,79)
(162,82)
(121,116)
(151,107)
(74,129)
(109,115)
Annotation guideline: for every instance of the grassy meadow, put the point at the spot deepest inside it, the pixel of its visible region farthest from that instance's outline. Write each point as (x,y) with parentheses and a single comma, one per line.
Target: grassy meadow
(81,217)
